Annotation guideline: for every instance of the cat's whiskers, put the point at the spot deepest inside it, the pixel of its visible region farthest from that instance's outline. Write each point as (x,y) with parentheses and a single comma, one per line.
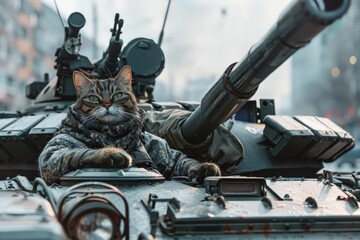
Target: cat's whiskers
(133,116)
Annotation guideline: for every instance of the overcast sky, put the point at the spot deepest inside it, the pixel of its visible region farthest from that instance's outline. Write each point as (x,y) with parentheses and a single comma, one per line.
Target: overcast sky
(202,37)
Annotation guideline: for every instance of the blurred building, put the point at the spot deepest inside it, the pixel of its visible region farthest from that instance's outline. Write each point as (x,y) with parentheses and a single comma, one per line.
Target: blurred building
(18,20)
(30,33)
(196,88)
(326,74)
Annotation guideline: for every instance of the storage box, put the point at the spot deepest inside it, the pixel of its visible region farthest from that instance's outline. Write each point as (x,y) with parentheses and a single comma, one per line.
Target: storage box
(290,138)
(14,138)
(344,140)
(41,134)
(4,155)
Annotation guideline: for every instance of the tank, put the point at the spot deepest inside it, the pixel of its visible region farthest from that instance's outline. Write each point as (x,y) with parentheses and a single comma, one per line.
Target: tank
(277,190)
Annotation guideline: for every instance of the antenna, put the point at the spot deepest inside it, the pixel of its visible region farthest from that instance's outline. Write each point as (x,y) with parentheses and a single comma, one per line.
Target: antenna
(95,29)
(58,12)
(163,26)
(116,20)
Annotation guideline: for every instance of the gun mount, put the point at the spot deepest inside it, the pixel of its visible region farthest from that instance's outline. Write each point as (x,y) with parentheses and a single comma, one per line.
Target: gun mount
(144,56)
(68,58)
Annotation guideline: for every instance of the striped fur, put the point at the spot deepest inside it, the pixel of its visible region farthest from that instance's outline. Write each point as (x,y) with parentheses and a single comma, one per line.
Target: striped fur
(105,100)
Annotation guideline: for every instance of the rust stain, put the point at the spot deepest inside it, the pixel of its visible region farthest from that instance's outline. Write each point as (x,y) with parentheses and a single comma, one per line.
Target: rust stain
(267,229)
(227,228)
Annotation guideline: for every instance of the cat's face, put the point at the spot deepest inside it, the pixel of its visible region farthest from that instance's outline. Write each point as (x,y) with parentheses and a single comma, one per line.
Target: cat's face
(105,100)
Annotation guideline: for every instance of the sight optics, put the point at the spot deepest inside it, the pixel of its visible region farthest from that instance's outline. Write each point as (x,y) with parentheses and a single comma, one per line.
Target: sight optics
(87,211)
(236,186)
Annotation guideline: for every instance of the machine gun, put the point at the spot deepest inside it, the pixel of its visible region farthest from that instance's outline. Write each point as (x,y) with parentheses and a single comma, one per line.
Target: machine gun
(110,64)
(143,55)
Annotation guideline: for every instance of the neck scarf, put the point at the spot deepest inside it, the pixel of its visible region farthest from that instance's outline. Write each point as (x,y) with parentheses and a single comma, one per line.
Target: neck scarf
(126,134)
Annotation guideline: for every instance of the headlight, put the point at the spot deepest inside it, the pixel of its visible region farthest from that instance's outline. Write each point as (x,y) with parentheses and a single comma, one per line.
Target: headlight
(86,211)
(95,226)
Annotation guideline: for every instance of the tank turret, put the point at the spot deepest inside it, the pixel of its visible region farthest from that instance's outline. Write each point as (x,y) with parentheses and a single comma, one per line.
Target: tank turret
(310,139)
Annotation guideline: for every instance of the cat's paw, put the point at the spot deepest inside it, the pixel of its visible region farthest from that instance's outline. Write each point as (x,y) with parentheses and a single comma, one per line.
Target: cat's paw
(115,157)
(203,170)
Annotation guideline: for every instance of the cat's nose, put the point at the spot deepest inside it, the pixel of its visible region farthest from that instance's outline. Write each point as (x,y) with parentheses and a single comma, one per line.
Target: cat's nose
(106,106)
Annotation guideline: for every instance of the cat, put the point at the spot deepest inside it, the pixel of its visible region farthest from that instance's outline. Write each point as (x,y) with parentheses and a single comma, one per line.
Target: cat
(104,129)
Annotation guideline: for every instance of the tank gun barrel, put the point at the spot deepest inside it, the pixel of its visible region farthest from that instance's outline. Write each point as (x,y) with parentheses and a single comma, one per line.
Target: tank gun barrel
(296,26)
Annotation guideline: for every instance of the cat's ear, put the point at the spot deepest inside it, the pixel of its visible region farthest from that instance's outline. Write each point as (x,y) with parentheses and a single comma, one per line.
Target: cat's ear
(124,76)
(80,81)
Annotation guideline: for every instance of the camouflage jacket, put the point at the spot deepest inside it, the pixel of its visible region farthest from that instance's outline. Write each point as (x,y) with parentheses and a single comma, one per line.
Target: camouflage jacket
(54,161)
(220,147)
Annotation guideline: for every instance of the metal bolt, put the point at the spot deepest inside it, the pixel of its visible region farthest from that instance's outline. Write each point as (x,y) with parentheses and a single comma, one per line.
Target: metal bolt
(286,196)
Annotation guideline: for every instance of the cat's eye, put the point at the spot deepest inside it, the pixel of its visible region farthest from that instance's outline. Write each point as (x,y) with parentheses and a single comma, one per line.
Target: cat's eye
(94,99)
(117,96)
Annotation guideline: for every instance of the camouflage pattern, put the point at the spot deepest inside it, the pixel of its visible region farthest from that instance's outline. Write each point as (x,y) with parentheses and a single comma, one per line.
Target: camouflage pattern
(64,153)
(125,134)
(221,146)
